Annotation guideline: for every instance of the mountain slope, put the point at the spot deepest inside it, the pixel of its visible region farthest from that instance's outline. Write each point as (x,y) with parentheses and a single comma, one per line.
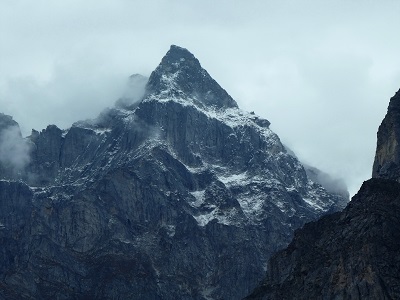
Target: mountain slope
(180,195)
(353,254)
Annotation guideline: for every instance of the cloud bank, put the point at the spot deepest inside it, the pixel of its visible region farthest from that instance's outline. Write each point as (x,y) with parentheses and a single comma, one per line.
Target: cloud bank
(321,72)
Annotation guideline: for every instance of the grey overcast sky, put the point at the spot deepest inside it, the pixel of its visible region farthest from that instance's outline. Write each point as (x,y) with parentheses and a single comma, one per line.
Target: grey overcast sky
(321,71)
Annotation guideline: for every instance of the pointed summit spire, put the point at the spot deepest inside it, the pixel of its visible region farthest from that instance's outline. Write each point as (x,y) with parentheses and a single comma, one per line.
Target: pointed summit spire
(177,56)
(180,75)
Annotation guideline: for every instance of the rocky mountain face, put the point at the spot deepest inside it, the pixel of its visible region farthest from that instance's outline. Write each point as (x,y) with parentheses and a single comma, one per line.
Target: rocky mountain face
(172,194)
(353,254)
(387,157)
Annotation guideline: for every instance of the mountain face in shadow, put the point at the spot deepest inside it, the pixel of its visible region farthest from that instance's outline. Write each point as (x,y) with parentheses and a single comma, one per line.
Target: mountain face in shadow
(353,254)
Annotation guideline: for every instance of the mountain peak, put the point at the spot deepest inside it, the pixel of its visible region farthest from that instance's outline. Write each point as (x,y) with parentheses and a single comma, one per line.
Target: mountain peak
(174,180)
(177,56)
(180,75)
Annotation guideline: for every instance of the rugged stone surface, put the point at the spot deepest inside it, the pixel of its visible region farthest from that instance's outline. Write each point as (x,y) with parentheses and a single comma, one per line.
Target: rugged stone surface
(387,157)
(180,195)
(352,254)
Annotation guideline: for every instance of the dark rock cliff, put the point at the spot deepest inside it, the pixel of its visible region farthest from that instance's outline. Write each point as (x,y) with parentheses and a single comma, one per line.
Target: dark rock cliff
(180,195)
(387,157)
(353,254)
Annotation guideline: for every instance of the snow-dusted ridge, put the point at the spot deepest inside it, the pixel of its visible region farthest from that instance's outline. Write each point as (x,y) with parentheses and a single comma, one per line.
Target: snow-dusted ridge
(233,117)
(252,206)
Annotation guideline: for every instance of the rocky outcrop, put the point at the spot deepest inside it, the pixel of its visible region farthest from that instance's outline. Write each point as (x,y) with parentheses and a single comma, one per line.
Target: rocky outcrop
(45,162)
(387,157)
(179,196)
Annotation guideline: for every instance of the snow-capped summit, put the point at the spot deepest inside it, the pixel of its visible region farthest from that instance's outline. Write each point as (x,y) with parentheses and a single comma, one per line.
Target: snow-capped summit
(180,75)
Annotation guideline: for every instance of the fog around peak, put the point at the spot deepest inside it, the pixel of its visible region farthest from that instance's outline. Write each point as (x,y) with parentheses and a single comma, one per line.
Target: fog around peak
(14,150)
